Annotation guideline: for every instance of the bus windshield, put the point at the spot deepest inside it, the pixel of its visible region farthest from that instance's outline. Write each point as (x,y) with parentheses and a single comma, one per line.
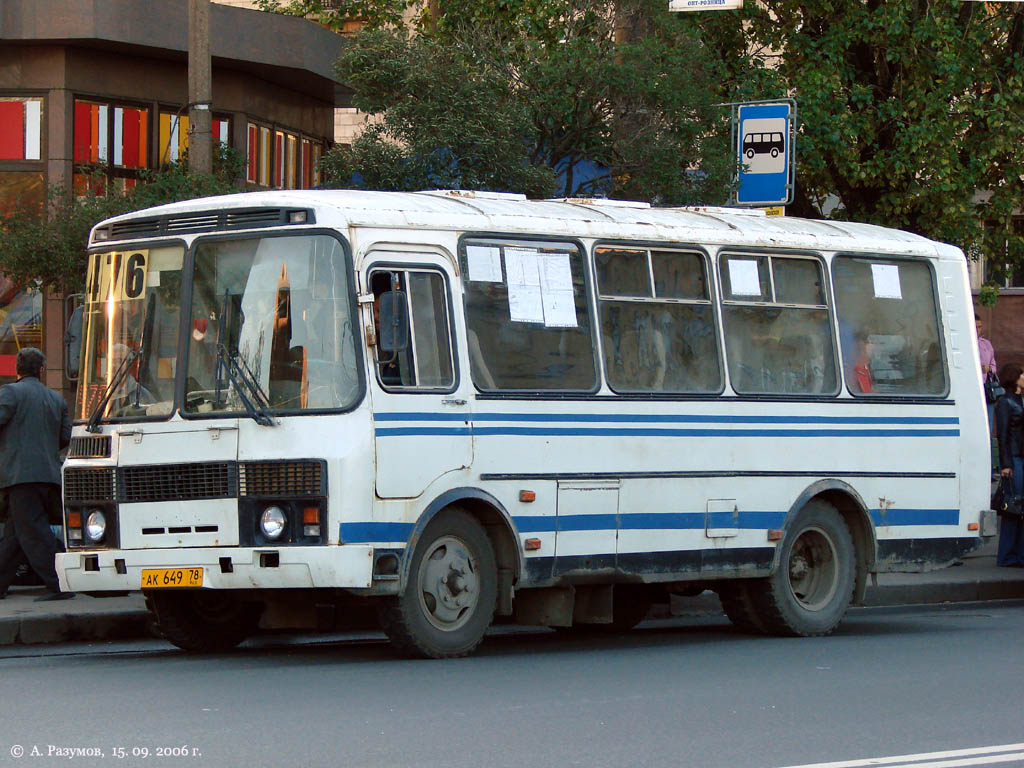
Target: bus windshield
(271,323)
(130,332)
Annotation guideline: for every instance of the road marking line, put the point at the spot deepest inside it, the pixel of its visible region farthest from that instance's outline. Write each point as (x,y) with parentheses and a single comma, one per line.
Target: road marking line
(1003,758)
(896,760)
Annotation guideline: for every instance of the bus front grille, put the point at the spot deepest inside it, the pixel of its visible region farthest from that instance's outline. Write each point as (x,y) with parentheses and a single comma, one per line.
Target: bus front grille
(84,485)
(282,479)
(177,482)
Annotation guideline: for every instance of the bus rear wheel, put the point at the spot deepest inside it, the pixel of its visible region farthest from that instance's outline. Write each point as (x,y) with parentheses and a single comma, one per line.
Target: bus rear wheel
(451,591)
(203,622)
(809,593)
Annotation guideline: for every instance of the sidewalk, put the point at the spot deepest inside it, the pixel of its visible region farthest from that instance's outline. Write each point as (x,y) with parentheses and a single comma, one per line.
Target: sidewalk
(23,621)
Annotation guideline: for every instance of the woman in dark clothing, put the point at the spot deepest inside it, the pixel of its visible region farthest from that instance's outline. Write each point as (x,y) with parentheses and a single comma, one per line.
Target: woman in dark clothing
(1010,434)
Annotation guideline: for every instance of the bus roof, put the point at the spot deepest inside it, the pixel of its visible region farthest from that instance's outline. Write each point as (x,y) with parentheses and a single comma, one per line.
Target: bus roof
(509,213)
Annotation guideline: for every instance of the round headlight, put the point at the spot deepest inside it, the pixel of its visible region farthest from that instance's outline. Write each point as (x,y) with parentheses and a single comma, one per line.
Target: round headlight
(96,525)
(273,522)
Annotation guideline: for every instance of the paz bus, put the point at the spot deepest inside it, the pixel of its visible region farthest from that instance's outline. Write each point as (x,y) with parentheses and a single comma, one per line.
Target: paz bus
(462,407)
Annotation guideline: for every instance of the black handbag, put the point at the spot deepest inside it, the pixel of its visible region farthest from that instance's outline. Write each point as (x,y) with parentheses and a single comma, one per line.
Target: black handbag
(1005,502)
(993,389)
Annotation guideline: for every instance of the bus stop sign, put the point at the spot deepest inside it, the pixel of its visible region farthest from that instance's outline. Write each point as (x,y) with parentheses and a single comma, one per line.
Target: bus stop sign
(765,144)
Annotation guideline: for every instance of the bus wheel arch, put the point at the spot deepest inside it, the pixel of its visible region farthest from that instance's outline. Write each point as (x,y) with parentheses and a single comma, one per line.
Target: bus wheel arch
(851,507)
(497,523)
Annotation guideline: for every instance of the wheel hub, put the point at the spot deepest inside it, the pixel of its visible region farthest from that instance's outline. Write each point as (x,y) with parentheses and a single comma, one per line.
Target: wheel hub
(448,584)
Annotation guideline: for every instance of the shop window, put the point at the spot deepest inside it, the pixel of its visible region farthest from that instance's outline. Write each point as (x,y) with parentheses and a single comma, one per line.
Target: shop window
(258,154)
(21,324)
(111,143)
(20,190)
(21,128)
(174,133)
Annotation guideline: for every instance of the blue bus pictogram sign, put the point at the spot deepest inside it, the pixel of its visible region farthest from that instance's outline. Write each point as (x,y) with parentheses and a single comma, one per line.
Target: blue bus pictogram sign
(764,145)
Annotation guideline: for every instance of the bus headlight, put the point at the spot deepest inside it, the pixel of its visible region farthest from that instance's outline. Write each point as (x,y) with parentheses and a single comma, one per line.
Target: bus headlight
(96,525)
(273,522)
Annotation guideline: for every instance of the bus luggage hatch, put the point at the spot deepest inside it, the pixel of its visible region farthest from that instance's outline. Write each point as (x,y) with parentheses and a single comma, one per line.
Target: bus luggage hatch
(586,537)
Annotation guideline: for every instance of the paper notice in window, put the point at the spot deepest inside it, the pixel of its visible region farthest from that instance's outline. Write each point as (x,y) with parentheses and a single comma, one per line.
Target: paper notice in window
(484,264)
(521,266)
(524,303)
(557,291)
(743,279)
(886,278)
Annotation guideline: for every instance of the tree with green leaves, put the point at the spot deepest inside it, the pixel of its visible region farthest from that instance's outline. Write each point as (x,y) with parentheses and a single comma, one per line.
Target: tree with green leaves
(49,247)
(911,111)
(536,96)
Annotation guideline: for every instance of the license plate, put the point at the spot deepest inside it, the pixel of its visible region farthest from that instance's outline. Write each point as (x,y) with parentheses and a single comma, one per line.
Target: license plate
(158,578)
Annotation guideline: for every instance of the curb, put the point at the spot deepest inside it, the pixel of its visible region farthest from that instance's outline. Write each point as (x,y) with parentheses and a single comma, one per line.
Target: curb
(128,624)
(67,627)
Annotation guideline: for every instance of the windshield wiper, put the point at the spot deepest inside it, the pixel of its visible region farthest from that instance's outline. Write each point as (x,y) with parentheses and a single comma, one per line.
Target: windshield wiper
(115,382)
(249,392)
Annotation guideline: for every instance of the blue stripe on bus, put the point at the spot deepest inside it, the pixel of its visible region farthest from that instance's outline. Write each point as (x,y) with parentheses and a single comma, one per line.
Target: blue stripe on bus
(915,516)
(358,533)
(661,418)
(640,432)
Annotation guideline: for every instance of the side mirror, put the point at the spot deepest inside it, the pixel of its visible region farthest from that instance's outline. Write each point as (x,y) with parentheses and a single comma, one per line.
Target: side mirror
(73,344)
(394,322)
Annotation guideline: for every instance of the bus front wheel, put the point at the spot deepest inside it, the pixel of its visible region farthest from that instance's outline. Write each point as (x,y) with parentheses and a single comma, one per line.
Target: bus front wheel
(451,591)
(203,622)
(813,586)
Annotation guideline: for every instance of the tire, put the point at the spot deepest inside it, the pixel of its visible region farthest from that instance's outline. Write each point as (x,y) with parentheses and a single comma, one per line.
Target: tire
(775,152)
(738,604)
(750,154)
(809,593)
(203,622)
(430,618)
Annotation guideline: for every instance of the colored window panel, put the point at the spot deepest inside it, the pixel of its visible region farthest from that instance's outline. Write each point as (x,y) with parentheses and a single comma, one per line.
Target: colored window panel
(20,129)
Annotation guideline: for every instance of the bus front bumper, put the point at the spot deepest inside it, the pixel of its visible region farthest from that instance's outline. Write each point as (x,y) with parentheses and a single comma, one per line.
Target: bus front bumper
(348,566)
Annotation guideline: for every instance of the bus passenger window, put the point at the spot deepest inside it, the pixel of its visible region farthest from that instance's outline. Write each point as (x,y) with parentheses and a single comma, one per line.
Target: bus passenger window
(426,361)
(778,336)
(527,316)
(892,305)
(657,325)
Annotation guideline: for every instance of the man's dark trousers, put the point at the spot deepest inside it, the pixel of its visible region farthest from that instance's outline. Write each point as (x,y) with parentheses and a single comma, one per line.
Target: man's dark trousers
(27,534)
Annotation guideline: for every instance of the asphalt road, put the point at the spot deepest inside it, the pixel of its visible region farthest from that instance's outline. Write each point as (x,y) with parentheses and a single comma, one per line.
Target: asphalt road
(689,692)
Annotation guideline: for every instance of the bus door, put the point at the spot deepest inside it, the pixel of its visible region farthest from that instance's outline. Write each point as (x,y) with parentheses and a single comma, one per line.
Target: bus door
(586,535)
(422,424)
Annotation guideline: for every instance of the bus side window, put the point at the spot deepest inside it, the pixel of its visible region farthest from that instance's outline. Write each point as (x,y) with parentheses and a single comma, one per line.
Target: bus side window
(527,316)
(778,334)
(889,328)
(425,362)
(656,321)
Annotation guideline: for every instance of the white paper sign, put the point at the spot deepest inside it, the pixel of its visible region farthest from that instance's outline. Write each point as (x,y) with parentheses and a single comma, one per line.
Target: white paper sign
(743,278)
(557,292)
(484,264)
(525,302)
(886,278)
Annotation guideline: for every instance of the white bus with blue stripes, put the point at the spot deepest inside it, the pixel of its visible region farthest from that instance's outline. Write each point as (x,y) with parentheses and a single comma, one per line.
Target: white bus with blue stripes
(463,407)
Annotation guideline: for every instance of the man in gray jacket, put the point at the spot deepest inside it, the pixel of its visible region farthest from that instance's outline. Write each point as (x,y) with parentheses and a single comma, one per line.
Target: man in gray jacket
(34,426)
